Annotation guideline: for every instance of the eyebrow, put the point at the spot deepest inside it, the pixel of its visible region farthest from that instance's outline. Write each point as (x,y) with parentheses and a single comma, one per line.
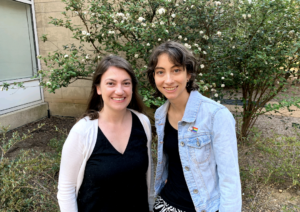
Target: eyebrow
(179,66)
(116,80)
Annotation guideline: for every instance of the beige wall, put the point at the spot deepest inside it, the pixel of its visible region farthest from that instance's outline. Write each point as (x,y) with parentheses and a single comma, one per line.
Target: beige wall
(70,101)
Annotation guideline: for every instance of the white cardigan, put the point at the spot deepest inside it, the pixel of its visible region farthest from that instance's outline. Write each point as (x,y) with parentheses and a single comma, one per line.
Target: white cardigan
(76,151)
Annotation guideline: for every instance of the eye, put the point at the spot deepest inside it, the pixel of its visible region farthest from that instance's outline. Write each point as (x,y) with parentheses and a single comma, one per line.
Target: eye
(177,70)
(159,72)
(127,83)
(110,83)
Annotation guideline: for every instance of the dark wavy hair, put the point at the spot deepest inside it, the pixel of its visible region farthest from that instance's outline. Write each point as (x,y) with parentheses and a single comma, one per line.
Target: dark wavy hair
(180,56)
(95,103)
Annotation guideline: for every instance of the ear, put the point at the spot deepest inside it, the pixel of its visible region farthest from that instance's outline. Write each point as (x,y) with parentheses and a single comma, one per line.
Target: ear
(98,90)
(189,76)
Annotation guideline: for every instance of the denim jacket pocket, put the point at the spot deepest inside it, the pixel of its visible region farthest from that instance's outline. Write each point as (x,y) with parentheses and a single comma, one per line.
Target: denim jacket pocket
(199,149)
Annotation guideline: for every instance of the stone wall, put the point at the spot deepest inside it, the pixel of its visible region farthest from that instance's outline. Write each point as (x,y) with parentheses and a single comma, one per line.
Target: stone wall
(70,101)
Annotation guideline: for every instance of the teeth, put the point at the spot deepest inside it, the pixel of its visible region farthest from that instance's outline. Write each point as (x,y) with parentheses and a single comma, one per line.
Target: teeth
(170,89)
(118,99)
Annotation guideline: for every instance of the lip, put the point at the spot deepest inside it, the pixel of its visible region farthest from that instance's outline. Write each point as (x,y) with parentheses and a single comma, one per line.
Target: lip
(117,99)
(171,91)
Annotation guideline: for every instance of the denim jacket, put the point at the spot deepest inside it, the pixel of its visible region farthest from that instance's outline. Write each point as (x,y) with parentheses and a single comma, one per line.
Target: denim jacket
(208,155)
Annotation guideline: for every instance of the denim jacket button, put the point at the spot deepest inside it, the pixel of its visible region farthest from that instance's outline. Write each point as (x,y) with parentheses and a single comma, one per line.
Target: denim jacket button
(203,211)
(195,191)
(198,144)
(188,169)
(181,143)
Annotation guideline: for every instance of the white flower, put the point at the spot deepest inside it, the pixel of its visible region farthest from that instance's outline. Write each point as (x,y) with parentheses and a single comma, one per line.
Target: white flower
(169,0)
(51,70)
(217,3)
(219,101)
(66,55)
(205,88)
(249,15)
(214,84)
(212,90)
(233,47)
(150,50)
(136,55)
(84,13)
(222,85)
(201,32)
(145,66)
(99,57)
(187,45)
(202,66)
(244,16)
(120,14)
(111,32)
(201,82)
(174,24)
(83,60)
(143,24)
(153,25)
(161,11)
(141,19)
(87,56)
(93,14)
(48,83)
(200,74)
(88,34)
(168,39)
(187,9)
(222,78)
(192,6)
(231,74)
(161,23)
(205,37)
(277,82)
(148,44)
(199,49)
(159,39)
(173,15)
(76,12)
(167,31)
(176,5)
(115,21)
(2,88)
(196,45)
(216,95)
(290,58)
(84,32)
(204,52)
(281,68)
(185,39)
(219,33)
(180,37)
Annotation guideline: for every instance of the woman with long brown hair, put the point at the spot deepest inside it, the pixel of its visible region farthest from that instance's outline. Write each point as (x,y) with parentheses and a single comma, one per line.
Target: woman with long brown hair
(106,160)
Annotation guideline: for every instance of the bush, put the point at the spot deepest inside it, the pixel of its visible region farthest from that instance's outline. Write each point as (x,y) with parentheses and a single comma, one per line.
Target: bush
(29,181)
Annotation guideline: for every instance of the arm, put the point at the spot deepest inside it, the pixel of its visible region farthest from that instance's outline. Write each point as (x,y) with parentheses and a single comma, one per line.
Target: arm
(225,150)
(71,160)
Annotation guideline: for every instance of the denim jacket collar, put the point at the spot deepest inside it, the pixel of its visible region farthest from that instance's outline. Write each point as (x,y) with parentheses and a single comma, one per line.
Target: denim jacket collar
(191,109)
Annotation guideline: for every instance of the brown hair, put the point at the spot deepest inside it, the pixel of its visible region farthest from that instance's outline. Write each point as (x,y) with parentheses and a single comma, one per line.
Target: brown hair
(95,103)
(180,56)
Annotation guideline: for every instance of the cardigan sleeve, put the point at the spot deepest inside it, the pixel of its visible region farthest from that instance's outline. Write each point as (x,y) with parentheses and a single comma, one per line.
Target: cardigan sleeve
(71,160)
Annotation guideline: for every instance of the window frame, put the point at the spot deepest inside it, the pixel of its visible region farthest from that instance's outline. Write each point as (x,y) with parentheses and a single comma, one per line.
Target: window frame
(27,79)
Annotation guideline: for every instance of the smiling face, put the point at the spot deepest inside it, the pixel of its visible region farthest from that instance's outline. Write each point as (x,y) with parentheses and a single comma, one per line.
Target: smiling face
(171,79)
(115,88)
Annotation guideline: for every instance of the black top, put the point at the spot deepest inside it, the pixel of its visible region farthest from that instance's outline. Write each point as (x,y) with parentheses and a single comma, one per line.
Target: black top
(114,181)
(175,192)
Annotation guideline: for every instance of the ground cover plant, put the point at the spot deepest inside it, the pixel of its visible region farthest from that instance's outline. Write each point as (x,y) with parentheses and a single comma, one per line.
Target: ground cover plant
(250,46)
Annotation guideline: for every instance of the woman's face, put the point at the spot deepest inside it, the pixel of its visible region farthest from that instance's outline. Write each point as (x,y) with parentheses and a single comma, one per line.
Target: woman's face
(170,79)
(115,88)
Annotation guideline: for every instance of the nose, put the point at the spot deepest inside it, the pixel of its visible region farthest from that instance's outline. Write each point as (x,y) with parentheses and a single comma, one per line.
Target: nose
(119,90)
(169,79)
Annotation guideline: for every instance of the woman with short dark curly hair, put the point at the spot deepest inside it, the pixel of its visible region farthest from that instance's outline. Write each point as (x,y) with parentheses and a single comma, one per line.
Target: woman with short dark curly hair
(197,162)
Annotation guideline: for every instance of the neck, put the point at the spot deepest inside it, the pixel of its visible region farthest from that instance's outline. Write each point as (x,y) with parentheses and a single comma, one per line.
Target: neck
(178,105)
(111,116)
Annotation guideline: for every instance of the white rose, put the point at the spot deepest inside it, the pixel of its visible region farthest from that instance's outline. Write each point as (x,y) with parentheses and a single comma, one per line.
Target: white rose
(199,49)
(84,32)
(48,83)
(185,39)
(216,95)
(249,15)
(192,6)
(233,47)
(167,31)
(231,74)
(204,52)
(196,45)
(222,78)
(87,56)
(173,15)
(99,57)
(200,74)
(202,66)
(180,37)
(148,44)
(162,23)
(201,32)
(222,85)
(88,34)
(136,55)
(219,33)
(93,14)
(244,16)
(176,5)
(159,39)
(66,55)
(219,101)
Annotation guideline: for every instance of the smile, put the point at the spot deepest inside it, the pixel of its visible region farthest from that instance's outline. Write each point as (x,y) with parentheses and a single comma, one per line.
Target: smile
(170,88)
(118,99)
